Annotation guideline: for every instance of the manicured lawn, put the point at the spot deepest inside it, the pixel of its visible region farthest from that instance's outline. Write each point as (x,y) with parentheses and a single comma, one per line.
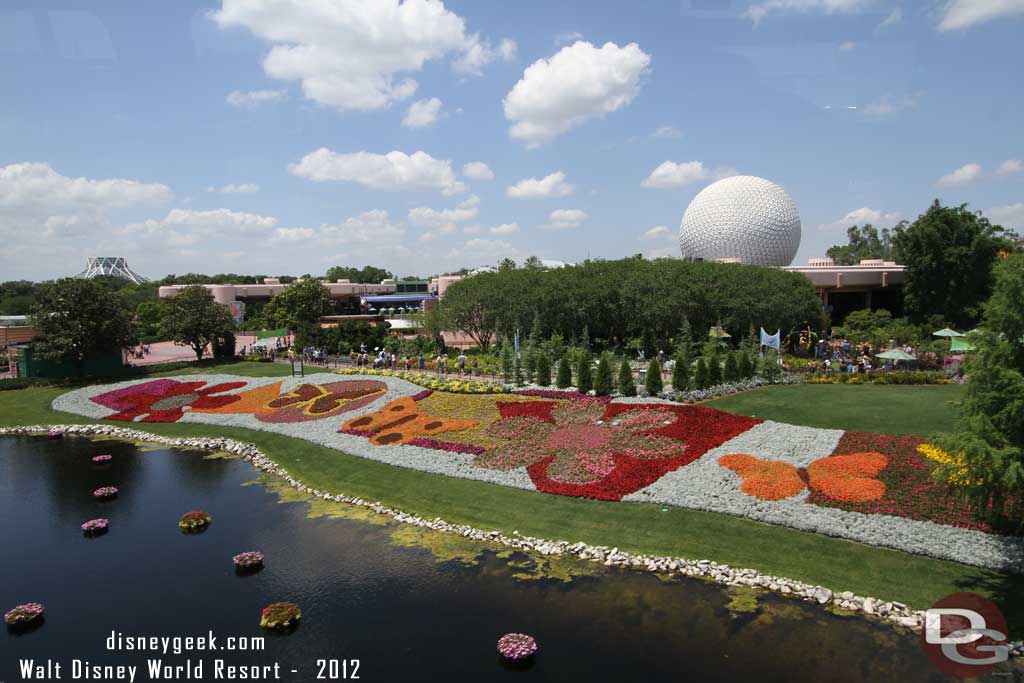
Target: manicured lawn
(887,409)
(839,564)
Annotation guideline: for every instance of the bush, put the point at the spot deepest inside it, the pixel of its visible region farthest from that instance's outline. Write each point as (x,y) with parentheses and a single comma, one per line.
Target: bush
(746,366)
(700,375)
(564,379)
(714,370)
(603,381)
(898,377)
(626,385)
(542,373)
(653,381)
(731,372)
(681,373)
(584,382)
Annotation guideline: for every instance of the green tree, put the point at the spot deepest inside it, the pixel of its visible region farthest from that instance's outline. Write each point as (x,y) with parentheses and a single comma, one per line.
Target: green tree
(471,306)
(988,446)
(626,385)
(731,372)
(193,318)
(507,264)
(863,243)
(949,253)
(746,366)
(684,338)
(299,306)
(80,319)
(681,373)
(542,374)
(366,274)
(507,362)
(603,384)
(147,318)
(653,380)
(700,374)
(583,379)
(714,370)
(564,379)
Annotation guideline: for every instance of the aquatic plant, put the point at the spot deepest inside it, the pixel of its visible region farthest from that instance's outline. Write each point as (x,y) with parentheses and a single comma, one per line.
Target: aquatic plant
(280,615)
(195,520)
(249,560)
(24,615)
(100,459)
(95,527)
(517,647)
(105,493)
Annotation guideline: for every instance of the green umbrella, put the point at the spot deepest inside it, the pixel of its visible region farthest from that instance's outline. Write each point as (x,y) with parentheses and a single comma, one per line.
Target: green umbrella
(946,332)
(896,354)
(957,344)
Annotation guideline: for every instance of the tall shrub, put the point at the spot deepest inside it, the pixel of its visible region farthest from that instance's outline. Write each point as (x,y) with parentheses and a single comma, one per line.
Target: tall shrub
(681,373)
(603,380)
(731,372)
(564,379)
(584,381)
(542,373)
(714,370)
(700,375)
(626,385)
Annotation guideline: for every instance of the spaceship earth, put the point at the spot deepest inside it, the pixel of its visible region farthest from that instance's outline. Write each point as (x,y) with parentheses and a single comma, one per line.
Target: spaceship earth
(743,217)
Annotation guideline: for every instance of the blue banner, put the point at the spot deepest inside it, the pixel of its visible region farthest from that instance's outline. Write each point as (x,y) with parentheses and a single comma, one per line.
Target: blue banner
(772,340)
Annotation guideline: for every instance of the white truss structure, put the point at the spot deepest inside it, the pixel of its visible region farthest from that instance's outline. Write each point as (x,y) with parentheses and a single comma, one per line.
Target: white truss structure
(111,266)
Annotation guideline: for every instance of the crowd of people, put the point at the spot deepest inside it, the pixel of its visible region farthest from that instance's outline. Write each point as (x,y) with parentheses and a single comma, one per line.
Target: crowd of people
(380,358)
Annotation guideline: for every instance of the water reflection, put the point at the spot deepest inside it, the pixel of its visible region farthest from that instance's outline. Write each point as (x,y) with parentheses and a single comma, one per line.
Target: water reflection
(410,604)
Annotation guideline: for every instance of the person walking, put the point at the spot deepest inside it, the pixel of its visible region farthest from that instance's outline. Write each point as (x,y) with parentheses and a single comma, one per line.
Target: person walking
(462,363)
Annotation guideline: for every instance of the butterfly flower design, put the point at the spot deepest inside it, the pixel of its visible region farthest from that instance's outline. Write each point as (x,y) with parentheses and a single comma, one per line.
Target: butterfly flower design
(402,421)
(848,478)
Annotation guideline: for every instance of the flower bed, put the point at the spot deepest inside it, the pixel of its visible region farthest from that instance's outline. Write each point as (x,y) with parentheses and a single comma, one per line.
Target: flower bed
(105,493)
(517,647)
(95,527)
(280,615)
(194,521)
(870,488)
(249,561)
(24,616)
(451,383)
(102,459)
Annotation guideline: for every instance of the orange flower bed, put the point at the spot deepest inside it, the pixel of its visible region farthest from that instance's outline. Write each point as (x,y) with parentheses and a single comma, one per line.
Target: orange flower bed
(849,478)
(764,479)
(402,421)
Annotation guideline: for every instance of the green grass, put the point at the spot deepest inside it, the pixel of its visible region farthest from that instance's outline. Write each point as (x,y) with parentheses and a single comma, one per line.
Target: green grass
(887,409)
(835,563)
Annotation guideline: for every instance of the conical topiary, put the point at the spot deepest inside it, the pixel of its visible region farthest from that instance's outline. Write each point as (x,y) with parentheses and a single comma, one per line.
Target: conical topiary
(626,385)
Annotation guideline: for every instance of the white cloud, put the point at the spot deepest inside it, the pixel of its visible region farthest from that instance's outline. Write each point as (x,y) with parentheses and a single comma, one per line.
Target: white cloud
(894,18)
(847,46)
(1010,216)
(371,227)
(960,14)
(184,227)
(567,37)
(759,10)
(1010,166)
(422,113)
(483,250)
(665,133)
(671,174)
(394,171)
(580,82)
(244,188)
(565,219)
(863,215)
(471,229)
(659,232)
(504,229)
(965,174)
(477,170)
(891,104)
(354,54)
(254,98)
(480,53)
(444,221)
(549,186)
(292,234)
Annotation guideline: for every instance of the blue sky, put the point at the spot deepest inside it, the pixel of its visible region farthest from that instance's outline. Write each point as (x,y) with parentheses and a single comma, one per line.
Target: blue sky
(286,136)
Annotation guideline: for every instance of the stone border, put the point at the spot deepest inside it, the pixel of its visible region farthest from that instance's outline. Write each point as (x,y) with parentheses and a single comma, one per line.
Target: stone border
(891,611)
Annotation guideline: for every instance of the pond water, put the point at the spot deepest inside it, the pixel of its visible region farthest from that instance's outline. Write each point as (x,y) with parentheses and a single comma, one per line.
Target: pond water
(409,605)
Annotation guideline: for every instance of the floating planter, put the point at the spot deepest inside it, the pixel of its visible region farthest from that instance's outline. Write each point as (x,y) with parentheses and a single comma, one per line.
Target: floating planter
(517,648)
(24,616)
(95,527)
(105,493)
(280,615)
(56,433)
(194,521)
(102,459)
(248,562)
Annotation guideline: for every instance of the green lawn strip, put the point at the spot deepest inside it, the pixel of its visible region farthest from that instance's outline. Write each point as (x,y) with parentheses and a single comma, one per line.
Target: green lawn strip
(886,409)
(836,563)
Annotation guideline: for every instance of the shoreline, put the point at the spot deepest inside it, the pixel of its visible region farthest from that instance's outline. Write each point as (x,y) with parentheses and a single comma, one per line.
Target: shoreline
(895,613)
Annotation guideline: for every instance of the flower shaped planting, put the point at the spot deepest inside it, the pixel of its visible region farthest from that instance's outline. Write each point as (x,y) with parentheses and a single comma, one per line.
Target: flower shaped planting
(194,521)
(249,561)
(848,478)
(24,615)
(95,527)
(402,421)
(105,493)
(318,401)
(517,647)
(165,400)
(280,615)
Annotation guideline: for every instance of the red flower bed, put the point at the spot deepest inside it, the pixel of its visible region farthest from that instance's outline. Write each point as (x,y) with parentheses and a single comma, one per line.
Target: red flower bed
(625,449)
(910,490)
(165,400)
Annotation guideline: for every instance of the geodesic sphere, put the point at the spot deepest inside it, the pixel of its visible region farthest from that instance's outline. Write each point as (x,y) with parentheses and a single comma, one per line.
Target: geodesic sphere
(743,217)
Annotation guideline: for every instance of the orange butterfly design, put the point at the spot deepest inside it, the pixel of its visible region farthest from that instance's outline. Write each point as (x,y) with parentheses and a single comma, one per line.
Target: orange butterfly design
(401,421)
(847,478)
